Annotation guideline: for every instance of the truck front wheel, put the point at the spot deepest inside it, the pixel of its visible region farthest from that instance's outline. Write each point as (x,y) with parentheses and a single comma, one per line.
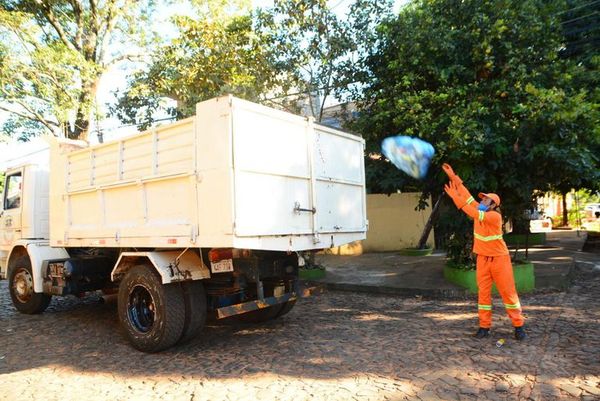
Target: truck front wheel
(20,282)
(152,314)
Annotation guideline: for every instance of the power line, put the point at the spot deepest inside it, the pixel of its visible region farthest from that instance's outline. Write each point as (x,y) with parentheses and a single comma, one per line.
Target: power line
(578,7)
(579,18)
(340,2)
(99,130)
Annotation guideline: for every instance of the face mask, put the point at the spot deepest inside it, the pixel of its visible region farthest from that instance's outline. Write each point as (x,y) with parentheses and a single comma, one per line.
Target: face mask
(483,207)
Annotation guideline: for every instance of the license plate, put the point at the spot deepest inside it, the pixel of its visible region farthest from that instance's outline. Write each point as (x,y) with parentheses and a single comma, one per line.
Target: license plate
(222,266)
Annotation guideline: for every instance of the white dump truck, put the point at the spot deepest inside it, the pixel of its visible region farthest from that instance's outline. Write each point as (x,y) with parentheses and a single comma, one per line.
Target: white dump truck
(211,215)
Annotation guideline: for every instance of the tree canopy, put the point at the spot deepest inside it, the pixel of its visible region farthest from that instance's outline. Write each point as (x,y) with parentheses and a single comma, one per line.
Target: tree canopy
(215,53)
(315,50)
(292,53)
(53,54)
(484,82)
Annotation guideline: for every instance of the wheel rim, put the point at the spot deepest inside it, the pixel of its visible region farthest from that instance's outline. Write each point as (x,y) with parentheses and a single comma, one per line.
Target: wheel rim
(141,309)
(23,285)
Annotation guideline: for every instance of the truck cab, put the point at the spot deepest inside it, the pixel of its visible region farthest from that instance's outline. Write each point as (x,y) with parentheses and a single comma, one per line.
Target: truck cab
(24,208)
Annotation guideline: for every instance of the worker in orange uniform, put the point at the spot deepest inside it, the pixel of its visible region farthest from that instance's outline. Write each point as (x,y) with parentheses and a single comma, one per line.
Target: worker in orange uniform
(493,259)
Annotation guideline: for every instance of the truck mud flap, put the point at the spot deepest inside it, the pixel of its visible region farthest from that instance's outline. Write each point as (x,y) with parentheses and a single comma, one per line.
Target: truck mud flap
(228,311)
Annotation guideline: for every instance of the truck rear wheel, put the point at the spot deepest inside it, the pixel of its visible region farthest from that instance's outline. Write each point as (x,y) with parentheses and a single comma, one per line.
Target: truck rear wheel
(194,297)
(20,282)
(152,314)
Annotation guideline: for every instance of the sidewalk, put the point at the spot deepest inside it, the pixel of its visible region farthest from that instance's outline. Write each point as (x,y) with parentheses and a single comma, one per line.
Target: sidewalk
(392,273)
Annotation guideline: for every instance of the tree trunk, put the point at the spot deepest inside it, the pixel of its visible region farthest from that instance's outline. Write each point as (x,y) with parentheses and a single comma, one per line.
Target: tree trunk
(82,125)
(429,224)
(82,119)
(565,222)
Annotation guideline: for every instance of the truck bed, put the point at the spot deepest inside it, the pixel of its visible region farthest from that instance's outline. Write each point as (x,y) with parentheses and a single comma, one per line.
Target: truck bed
(237,174)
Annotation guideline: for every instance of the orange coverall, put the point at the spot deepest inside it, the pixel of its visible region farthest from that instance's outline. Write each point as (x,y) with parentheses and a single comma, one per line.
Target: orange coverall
(493,259)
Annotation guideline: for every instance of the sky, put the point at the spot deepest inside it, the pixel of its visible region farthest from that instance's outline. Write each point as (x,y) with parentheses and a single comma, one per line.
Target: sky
(116,78)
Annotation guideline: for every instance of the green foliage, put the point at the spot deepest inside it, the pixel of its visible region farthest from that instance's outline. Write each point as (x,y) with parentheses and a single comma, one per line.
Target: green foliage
(315,51)
(576,214)
(214,55)
(289,55)
(21,129)
(53,54)
(456,237)
(484,82)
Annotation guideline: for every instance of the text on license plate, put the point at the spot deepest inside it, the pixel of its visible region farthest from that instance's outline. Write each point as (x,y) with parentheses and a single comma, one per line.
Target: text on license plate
(222,266)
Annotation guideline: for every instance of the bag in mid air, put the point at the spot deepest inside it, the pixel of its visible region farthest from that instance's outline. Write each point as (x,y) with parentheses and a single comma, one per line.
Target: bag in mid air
(411,155)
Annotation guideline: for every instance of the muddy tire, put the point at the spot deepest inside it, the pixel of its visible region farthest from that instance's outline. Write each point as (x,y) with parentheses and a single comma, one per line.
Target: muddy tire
(20,283)
(151,314)
(194,297)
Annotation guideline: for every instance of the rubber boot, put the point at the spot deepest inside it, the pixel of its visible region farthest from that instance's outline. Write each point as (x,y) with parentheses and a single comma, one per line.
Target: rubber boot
(520,333)
(482,333)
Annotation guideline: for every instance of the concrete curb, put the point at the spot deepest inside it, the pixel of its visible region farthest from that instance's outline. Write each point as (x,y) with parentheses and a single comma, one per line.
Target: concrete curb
(587,267)
(442,293)
(561,282)
(556,265)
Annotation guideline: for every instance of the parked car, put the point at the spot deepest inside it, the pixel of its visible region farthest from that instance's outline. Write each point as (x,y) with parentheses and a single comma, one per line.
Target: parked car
(592,210)
(539,222)
(591,217)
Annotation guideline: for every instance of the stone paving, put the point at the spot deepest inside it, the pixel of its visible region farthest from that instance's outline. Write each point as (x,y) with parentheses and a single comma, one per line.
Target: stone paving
(336,346)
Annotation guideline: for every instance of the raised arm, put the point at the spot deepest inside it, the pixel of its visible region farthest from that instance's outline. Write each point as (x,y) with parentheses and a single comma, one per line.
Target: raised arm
(462,190)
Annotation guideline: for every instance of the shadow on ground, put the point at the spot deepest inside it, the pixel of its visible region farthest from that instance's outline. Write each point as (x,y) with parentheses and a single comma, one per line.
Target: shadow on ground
(331,336)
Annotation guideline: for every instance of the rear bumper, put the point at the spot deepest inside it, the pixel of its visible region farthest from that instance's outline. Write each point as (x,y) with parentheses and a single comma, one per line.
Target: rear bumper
(245,307)
(301,291)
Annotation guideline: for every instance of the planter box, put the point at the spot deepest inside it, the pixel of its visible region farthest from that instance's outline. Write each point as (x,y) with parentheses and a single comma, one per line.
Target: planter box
(519,239)
(523,273)
(311,274)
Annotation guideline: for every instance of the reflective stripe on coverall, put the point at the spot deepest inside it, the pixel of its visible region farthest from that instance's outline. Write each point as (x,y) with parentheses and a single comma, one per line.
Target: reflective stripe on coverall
(493,261)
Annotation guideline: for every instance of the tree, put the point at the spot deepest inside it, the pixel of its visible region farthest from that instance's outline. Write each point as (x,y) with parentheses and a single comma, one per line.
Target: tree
(216,53)
(54,53)
(483,82)
(582,33)
(281,56)
(316,51)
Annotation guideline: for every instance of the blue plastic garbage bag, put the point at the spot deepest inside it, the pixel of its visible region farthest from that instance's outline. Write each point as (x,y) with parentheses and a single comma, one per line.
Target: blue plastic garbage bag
(411,155)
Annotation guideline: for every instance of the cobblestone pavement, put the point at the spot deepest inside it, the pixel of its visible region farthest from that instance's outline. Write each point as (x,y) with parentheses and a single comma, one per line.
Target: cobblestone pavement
(337,346)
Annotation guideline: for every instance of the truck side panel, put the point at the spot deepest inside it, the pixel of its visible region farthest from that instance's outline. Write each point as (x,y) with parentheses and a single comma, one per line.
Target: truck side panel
(141,189)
